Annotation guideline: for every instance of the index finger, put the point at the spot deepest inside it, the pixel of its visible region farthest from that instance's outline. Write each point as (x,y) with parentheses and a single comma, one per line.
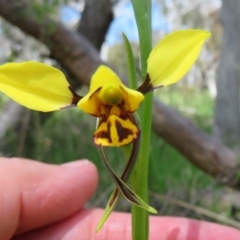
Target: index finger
(118,227)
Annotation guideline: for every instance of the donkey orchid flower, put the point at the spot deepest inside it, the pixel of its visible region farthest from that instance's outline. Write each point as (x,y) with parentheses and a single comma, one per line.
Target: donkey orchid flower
(44,88)
(112,102)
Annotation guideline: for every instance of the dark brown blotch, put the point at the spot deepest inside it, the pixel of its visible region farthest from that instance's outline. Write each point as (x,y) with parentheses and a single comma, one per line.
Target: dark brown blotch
(103,134)
(123,133)
(146,86)
(76,98)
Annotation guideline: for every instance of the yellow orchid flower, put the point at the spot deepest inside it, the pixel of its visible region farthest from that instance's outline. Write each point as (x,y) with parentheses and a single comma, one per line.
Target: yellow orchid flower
(112,102)
(44,88)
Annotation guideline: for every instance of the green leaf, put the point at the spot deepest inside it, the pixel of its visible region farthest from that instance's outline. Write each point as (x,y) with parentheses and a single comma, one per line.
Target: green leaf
(132,75)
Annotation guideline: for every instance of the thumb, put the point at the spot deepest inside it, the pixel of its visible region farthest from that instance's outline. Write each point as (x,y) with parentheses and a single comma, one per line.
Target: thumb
(35,194)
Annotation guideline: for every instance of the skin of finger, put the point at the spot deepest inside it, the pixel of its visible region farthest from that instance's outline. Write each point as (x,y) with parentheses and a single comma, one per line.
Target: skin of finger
(82,226)
(34,194)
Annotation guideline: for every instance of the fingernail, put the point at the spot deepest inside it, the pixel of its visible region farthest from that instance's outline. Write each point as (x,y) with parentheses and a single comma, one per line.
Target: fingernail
(76,163)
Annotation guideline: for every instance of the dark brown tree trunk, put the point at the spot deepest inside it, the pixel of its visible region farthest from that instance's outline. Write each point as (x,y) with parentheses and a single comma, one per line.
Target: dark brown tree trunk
(227,111)
(95,21)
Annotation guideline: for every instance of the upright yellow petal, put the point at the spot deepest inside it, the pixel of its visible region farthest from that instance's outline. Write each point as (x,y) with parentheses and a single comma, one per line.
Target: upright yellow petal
(173,57)
(104,76)
(36,86)
(91,103)
(107,86)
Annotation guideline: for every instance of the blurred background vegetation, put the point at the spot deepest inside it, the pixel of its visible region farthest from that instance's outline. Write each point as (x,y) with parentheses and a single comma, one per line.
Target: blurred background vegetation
(176,186)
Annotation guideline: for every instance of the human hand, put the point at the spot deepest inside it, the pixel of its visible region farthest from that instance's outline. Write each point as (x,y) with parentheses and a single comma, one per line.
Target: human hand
(45,202)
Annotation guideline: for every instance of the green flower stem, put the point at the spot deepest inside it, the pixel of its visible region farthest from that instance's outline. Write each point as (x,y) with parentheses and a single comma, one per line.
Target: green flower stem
(140,175)
(140,218)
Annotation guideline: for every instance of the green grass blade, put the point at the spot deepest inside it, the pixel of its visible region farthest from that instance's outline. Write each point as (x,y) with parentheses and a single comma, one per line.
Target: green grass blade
(132,75)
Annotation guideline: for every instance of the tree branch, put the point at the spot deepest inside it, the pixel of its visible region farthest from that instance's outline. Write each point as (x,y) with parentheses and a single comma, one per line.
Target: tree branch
(227,110)
(203,150)
(66,46)
(95,30)
(81,59)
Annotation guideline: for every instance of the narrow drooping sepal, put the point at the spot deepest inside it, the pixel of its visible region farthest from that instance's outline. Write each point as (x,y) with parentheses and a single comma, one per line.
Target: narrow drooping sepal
(115,196)
(172,58)
(125,176)
(112,202)
(37,86)
(123,188)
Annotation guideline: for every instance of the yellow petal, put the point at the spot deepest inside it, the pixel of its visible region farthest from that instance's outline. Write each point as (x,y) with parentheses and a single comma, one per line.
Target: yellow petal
(132,98)
(36,86)
(115,132)
(92,104)
(104,76)
(173,57)
(104,79)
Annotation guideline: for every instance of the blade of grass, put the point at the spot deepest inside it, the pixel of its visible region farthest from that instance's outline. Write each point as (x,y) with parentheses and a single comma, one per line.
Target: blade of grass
(132,75)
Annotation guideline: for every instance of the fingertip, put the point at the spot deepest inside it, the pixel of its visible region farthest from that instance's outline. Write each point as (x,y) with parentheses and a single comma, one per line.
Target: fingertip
(87,172)
(51,193)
